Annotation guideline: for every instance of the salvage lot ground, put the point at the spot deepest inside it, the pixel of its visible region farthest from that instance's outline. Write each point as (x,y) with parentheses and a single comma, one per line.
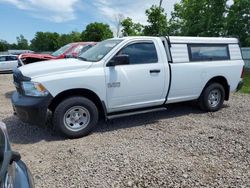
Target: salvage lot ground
(180,147)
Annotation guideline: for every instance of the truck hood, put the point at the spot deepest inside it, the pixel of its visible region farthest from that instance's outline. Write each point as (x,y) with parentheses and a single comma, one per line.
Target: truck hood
(43,68)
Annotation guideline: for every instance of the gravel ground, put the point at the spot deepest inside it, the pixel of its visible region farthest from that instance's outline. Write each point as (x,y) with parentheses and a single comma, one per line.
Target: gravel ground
(182,147)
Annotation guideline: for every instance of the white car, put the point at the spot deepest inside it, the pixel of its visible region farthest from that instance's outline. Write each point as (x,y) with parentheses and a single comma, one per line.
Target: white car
(126,76)
(8,63)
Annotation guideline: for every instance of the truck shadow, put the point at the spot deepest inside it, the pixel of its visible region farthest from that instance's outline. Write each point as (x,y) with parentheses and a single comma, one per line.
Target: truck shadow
(173,110)
(8,94)
(21,133)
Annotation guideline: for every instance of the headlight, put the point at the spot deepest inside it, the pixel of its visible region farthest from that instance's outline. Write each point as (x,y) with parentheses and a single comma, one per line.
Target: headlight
(34,89)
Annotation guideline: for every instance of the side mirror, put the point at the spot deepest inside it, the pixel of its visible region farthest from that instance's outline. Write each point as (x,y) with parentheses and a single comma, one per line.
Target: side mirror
(118,60)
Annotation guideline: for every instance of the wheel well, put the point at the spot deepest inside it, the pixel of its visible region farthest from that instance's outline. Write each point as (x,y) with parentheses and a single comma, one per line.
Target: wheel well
(77,92)
(223,81)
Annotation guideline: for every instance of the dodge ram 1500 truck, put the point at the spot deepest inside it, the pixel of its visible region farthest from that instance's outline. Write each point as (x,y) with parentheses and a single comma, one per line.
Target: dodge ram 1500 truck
(126,76)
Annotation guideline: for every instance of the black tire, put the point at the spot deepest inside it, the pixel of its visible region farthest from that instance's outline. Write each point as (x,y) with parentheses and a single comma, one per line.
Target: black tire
(205,101)
(60,118)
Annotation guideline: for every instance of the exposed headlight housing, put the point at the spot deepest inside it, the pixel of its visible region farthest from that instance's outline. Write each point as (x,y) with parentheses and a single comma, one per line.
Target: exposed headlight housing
(34,89)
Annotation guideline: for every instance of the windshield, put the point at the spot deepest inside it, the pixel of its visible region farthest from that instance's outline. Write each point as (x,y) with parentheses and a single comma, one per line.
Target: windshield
(61,50)
(97,52)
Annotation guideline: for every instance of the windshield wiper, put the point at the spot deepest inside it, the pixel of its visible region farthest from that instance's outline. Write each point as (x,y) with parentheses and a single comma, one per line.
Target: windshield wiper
(82,58)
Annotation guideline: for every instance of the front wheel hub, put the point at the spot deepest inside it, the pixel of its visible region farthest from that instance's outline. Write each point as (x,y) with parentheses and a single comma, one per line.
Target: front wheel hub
(76,118)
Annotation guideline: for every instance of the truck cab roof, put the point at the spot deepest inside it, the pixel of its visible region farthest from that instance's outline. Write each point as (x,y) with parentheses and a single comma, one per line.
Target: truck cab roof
(195,40)
(203,40)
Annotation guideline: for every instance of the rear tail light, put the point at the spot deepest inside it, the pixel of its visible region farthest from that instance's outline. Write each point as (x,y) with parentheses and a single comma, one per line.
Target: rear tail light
(242,73)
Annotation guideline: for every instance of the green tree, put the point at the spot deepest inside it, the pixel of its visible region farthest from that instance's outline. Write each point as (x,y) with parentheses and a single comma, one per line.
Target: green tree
(22,43)
(45,41)
(38,42)
(175,22)
(129,28)
(13,46)
(75,36)
(199,17)
(64,39)
(96,32)
(69,38)
(4,46)
(238,21)
(157,20)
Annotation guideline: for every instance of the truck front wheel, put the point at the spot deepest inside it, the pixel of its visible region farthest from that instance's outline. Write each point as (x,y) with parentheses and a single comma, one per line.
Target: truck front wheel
(75,117)
(212,98)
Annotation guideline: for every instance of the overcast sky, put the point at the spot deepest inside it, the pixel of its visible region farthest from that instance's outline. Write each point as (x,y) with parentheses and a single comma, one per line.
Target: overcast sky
(29,16)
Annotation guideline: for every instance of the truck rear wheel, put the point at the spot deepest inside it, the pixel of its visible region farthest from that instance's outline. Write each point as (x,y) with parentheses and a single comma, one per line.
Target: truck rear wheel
(212,98)
(75,117)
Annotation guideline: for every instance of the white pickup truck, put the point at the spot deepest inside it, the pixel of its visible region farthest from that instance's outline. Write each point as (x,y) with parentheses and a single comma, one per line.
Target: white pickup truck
(126,76)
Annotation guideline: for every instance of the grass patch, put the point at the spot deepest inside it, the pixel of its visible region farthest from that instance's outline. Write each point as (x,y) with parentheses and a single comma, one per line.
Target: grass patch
(246,86)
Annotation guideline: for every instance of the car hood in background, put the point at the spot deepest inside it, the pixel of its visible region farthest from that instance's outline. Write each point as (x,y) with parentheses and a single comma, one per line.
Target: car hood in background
(37,56)
(42,68)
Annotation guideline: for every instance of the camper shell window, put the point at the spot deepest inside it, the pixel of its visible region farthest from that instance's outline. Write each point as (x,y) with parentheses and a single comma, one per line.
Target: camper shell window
(208,52)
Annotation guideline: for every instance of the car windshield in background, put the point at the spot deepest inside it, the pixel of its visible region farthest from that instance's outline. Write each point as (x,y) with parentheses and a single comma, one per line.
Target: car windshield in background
(97,52)
(85,48)
(61,50)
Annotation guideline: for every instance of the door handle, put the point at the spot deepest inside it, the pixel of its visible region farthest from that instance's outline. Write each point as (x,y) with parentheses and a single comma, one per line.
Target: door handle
(155,71)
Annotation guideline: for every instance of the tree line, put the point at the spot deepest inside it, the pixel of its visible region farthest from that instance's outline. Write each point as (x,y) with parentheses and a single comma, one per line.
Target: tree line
(51,41)
(189,18)
(207,18)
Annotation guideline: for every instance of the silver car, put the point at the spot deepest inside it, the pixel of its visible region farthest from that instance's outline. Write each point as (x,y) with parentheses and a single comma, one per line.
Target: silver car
(8,63)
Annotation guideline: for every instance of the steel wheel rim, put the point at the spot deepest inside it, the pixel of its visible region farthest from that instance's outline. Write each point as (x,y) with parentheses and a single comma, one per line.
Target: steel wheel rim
(76,118)
(214,97)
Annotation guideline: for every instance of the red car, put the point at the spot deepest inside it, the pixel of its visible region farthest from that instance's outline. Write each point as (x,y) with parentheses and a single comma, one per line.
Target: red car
(69,50)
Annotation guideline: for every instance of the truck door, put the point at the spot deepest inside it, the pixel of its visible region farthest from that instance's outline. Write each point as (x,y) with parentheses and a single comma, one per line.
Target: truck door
(139,83)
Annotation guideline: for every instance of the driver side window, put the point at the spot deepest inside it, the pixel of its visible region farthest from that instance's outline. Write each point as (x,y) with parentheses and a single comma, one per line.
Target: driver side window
(140,53)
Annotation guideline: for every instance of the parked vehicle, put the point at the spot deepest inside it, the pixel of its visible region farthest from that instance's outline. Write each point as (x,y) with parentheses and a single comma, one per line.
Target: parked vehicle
(18,52)
(13,172)
(67,51)
(131,75)
(8,63)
